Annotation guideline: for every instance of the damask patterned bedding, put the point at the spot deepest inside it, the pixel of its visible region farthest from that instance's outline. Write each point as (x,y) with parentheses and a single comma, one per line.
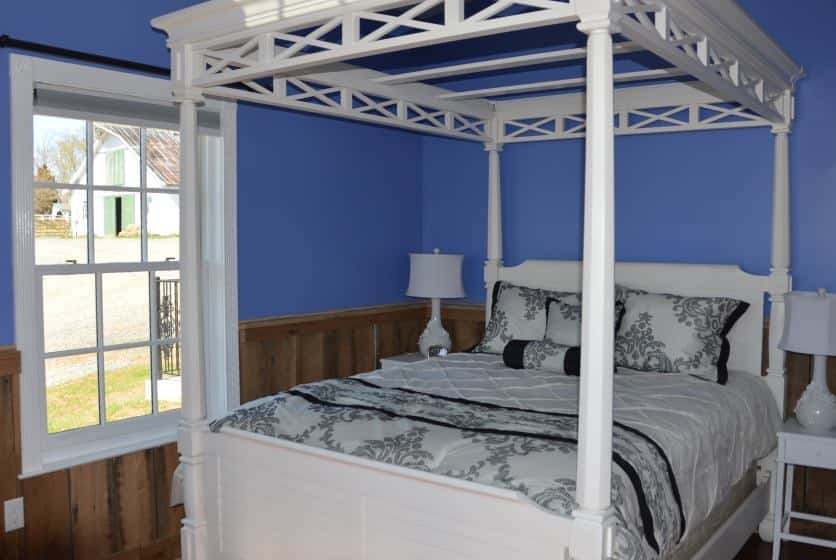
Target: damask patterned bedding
(680,442)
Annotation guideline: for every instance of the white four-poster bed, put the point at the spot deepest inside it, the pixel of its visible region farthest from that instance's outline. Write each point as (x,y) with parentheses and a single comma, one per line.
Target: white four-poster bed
(249,496)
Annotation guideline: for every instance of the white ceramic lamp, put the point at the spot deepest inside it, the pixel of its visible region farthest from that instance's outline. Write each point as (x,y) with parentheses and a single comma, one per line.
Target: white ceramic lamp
(810,328)
(436,276)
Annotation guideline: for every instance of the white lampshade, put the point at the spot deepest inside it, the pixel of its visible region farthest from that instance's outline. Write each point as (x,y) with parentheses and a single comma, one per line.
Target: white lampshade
(433,275)
(810,324)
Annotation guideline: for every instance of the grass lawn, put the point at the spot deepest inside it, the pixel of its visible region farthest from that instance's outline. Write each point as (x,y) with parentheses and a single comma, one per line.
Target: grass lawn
(74,404)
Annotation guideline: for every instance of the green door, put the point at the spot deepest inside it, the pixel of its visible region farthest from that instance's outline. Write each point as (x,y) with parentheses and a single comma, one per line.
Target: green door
(127,212)
(110,215)
(118,213)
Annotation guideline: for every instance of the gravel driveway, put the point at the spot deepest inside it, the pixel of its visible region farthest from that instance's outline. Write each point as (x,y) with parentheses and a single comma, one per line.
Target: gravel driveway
(70,315)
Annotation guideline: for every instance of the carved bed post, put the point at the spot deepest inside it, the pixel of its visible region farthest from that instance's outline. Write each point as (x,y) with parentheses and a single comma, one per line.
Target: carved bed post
(494,260)
(780,282)
(594,518)
(193,425)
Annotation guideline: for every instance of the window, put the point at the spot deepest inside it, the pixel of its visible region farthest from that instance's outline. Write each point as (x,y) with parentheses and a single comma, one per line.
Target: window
(110,286)
(96,200)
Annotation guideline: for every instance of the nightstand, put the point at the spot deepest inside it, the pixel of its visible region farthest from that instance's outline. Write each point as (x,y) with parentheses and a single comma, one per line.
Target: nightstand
(798,446)
(401,360)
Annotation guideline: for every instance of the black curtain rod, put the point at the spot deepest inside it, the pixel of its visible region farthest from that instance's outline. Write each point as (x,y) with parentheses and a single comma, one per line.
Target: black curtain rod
(12,43)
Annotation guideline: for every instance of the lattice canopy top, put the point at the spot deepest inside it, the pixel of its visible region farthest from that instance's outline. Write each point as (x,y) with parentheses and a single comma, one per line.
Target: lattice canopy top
(714,66)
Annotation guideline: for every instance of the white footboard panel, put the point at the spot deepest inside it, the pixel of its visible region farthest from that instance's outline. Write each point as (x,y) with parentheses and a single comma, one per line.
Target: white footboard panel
(271,499)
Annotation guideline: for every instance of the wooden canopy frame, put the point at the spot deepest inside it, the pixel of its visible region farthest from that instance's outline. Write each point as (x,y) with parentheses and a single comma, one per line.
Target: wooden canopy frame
(295,53)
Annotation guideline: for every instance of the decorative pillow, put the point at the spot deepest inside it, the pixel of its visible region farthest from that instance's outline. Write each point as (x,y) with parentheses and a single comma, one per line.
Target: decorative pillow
(518,313)
(543,355)
(677,334)
(563,321)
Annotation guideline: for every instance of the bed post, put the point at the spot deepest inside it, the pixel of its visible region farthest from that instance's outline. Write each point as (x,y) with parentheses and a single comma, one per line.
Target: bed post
(780,282)
(193,425)
(594,519)
(494,260)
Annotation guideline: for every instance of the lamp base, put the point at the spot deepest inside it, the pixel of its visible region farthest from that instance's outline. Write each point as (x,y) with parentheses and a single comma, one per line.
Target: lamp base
(816,409)
(434,334)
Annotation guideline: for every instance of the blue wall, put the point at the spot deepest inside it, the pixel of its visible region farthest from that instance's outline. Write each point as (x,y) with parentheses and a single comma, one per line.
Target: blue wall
(688,197)
(326,217)
(329,209)
(332,232)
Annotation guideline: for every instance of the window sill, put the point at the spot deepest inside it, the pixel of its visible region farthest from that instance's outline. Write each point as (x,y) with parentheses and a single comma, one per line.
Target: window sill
(75,448)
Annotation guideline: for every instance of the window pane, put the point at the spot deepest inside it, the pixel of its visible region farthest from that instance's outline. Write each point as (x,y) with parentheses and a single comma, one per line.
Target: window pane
(168,379)
(125,307)
(163,158)
(167,290)
(117,223)
(72,392)
(60,226)
(163,227)
(127,383)
(69,306)
(116,159)
(60,150)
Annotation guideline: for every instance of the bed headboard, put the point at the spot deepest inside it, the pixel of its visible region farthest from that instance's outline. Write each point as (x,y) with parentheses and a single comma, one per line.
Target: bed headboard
(685,279)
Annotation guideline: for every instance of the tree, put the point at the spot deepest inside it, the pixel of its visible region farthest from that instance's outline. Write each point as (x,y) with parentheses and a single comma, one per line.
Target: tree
(45,198)
(61,157)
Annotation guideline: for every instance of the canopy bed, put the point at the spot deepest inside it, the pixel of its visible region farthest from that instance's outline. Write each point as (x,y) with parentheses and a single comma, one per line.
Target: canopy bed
(252,496)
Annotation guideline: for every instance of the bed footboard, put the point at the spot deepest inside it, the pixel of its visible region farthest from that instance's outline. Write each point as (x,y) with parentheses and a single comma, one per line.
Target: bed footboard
(272,499)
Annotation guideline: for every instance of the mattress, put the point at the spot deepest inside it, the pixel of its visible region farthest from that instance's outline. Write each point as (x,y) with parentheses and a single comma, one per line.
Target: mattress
(680,443)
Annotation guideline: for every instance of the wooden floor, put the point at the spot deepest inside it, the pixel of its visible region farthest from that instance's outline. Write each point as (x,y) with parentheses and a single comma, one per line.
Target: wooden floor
(755,549)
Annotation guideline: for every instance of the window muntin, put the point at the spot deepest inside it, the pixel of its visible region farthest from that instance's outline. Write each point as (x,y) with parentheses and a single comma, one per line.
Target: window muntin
(108,271)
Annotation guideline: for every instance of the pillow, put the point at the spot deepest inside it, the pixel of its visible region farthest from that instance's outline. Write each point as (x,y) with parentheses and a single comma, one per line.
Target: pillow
(518,313)
(677,334)
(563,318)
(543,355)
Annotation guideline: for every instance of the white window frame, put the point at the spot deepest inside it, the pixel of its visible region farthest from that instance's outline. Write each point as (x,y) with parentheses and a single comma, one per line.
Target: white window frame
(43,452)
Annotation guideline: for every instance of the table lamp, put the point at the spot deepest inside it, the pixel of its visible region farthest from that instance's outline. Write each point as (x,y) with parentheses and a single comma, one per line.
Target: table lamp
(810,328)
(436,276)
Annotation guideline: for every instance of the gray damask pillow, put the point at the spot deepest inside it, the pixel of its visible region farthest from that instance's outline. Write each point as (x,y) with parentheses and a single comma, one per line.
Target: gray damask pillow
(518,313)
(677,334)
(544,355)
(563,324)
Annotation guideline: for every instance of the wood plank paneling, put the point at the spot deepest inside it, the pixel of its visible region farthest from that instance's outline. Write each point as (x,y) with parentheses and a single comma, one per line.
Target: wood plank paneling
(93,536)
(10,543)
(167,518)
(312,356)
(254,368)
(388,340)
(9,361)
(132,498)
(48,523)
(278,353)
(365,358)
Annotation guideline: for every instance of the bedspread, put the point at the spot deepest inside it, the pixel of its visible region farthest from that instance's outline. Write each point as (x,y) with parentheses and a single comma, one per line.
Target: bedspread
(679,443)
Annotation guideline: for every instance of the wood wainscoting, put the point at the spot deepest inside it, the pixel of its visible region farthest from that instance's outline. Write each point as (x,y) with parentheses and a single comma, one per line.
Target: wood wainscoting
(112,509)
(277,354)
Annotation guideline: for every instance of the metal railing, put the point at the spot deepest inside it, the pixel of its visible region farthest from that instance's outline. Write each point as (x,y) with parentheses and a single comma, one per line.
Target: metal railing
(168,325)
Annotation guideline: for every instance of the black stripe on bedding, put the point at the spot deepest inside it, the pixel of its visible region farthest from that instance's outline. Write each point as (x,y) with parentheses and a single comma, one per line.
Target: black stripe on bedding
(668,467)
(626,466)
(650,440)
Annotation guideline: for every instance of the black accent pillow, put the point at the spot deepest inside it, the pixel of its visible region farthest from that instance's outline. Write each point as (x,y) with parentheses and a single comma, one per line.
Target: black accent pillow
(544,355)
